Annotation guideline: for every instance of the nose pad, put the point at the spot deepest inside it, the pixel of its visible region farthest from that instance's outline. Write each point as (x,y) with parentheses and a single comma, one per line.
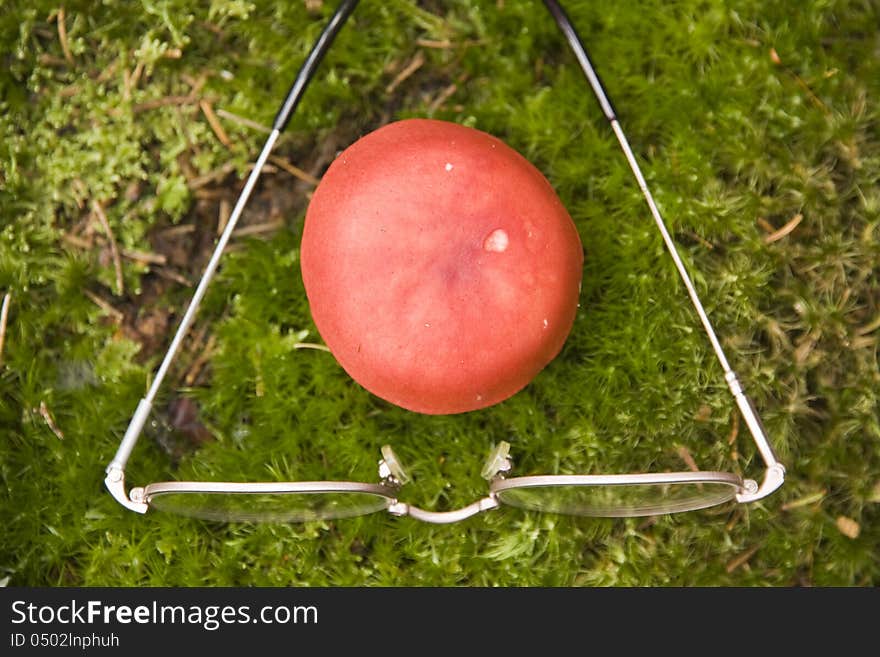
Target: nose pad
(498,462)
(390,467)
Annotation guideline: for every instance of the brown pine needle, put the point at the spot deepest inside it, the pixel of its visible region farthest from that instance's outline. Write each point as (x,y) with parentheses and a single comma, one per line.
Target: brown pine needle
(144,257)
(172,275)
(685,456)
(105,306)
(414,65)
(165,101)
(294,171)
(114,251)
(869,328)
(223,215)
(214,122)
(765,225)
(4,317)
(176,231)
(442,97)
(50,422)
(777,235)
(741,559)
(200,362)
(62,36)
(734,429)
(235,118)
(211,176)
(259,229)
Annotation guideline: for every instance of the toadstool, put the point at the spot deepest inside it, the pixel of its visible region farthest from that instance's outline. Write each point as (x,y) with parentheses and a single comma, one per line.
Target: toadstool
(441,268)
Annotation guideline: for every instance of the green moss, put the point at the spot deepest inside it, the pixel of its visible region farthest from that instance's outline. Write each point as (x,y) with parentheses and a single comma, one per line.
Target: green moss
(728,139)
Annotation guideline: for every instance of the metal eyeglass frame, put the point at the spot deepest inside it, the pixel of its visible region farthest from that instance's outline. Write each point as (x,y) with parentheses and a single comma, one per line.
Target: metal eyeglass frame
(502,488)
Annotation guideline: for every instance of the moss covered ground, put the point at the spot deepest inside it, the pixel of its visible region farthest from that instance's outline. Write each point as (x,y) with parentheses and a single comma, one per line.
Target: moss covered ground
(126,130)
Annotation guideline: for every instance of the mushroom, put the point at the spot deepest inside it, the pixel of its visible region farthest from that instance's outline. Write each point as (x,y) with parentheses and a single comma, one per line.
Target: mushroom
(441,269)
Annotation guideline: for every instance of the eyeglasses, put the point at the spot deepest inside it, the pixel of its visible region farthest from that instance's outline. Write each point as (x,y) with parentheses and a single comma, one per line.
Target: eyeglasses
(615,495)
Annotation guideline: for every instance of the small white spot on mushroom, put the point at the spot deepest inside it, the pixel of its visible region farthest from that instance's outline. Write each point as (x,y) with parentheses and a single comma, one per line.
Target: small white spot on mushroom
(449,166)
(479,397)
(497,241)
(546,323)
(427,325)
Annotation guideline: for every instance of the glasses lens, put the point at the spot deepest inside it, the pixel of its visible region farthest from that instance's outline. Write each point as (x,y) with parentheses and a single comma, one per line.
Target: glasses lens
(269,507)
(619,500)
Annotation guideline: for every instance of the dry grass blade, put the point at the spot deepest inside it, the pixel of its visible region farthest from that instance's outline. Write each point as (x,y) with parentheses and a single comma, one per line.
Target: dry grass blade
(259,229)
(777,235)
(199,364)
(869,328)
(171,275)
(442,97)
(445,44)
(177,231)
(50,422)
(414,65)
(223,214)
(734,429)
(165,101)
(741,559)
(4,317)
(311,345)
(62,36)
(235,118)
(685,456)
(114,251)
(807,500)
(211,176)
(144,257)
(105,306)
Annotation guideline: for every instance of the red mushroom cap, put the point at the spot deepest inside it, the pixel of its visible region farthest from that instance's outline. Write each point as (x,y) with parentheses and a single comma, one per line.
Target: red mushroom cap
(441,269)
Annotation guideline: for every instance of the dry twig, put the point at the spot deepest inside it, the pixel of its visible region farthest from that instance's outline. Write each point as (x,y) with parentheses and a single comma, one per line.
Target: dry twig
(294,171)
(214,122)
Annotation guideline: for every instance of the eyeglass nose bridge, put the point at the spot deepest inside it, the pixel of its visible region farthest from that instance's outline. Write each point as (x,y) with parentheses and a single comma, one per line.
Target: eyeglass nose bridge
(392,472)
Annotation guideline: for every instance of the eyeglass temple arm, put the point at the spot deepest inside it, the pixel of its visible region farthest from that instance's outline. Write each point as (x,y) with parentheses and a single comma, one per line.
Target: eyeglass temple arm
(115,479)
(775,471)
